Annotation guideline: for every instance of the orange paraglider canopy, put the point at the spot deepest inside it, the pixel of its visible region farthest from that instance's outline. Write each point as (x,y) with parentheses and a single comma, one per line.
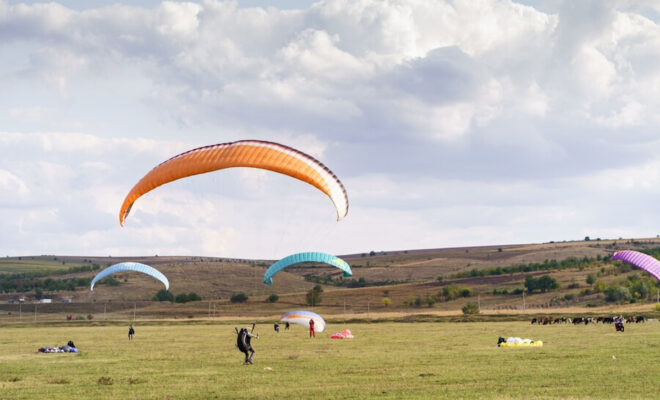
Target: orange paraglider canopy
(245,153)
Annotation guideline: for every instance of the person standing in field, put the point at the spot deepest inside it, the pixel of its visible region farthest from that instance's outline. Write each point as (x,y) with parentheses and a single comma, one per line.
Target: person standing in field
(311,328)
(244,344)
(131,332)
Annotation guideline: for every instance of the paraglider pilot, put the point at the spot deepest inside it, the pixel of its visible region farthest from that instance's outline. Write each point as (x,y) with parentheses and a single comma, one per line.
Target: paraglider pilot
(311,328)
(244,345)
(131,332)
(276,326)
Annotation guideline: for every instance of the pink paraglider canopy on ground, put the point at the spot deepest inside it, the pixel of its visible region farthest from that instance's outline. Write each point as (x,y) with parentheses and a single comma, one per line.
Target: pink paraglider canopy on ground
(345,334)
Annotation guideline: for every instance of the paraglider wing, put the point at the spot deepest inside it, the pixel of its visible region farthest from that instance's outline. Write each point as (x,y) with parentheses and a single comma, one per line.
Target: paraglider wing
(302,318)
(131,266)
(245,153)
(306,257)
(640,260)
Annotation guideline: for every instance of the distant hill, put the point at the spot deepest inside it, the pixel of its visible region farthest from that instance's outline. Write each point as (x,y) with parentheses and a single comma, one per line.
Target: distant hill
(403,276)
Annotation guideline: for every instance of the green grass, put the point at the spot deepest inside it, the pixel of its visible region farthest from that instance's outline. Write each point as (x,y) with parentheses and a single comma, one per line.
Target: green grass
(14,265)
(385,360)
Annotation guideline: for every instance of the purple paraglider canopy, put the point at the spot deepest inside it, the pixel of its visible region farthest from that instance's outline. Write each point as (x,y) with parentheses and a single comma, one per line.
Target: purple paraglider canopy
(640,260)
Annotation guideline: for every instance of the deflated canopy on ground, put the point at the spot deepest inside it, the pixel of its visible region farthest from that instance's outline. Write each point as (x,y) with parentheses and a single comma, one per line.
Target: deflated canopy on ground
(244,153)
(131,266)
(302,317)
(640,260)
(306,257)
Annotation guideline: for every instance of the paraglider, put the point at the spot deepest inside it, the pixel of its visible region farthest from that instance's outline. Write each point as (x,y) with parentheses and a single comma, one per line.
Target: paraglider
(243,342)
(640,260)
(131,266)
(302,318)
(244,153)
(306,257)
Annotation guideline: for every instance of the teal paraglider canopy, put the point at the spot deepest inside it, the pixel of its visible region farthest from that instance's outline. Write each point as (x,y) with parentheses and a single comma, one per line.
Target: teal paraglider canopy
(131,266)
(306,257)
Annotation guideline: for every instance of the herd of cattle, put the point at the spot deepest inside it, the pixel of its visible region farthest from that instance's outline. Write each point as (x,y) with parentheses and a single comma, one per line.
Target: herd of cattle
(586,320)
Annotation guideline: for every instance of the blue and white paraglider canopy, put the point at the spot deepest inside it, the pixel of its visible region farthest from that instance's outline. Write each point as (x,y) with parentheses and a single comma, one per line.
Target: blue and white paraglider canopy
(131,266)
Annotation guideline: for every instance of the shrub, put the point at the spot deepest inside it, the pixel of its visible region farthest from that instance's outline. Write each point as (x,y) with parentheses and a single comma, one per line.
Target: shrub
(386,301)
(181,298)
(543,283)
(163,295)
(314,295)
(591,279)
(238,298)
(616,294)
(452,292)
(90,317)
(440,278)
(430,301)
(273,298)
(600,286)
(418,302)
(192,296)
(110,281)
(470,308)
(657,307)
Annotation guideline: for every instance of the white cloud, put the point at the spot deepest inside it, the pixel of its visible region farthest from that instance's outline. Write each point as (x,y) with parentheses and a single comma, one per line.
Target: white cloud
(450,122)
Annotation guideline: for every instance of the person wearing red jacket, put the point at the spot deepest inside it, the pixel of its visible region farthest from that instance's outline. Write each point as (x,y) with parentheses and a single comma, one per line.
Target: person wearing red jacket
(311,328)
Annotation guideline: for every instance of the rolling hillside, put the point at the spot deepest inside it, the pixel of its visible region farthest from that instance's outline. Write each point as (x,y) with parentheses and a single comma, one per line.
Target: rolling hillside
(408,278)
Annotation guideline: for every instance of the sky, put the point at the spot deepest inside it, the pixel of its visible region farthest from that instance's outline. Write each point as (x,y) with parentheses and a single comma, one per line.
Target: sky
(450,123)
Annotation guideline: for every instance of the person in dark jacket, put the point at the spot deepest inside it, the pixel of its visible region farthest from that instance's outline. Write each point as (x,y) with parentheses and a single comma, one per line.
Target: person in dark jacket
(131,332)
(243,342)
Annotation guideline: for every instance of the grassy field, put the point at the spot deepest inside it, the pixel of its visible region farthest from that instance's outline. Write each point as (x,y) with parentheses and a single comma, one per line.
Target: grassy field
(33,264)
(385,360)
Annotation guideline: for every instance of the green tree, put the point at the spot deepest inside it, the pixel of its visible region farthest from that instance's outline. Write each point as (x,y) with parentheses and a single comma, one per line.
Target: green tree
(616,294)
(181,298)
(470,308)
(453,291)
(273,298)
(192,296)
(238,298)
(546,283)
(386,302)
(314,295)
(163,295)
(591,279)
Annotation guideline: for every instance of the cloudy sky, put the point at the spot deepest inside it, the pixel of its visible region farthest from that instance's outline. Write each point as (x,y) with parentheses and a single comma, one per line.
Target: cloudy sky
(450,123)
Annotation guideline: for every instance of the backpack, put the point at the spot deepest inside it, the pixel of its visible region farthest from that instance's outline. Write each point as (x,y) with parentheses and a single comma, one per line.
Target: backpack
(241,340)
